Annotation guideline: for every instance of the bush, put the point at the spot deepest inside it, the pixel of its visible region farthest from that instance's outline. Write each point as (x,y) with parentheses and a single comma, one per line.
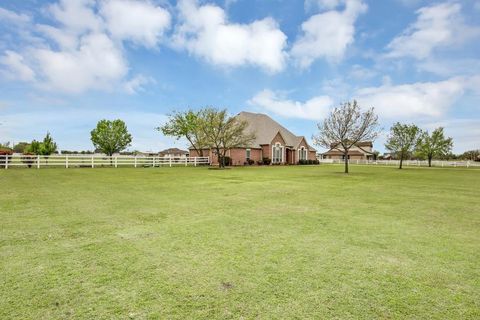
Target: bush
(310,162)
(250,162)
(28,159)
(266,161)
(4,152)
(227,160)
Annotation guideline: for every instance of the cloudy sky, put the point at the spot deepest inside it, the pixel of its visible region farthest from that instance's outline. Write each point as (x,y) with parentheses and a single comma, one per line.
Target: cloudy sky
(66,64)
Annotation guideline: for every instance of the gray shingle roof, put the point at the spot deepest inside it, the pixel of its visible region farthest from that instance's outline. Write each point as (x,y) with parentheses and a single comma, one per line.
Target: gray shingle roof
(265,129)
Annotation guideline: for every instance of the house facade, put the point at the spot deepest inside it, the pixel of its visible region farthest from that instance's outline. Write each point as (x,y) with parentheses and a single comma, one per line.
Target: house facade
(272,141)
(173,153)
(360,151)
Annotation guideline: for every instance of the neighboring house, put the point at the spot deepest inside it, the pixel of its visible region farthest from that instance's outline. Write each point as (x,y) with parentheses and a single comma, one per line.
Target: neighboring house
(272,141)
(361,151)
(173,153)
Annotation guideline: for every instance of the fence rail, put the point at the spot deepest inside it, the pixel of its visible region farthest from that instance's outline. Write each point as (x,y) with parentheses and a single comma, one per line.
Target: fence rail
(94,161)
(408,163)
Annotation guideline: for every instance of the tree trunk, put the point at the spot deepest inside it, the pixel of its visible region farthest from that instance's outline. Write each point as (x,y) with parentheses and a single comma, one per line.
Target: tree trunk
(401,162)
(430,161)
(219,156)
(346,162)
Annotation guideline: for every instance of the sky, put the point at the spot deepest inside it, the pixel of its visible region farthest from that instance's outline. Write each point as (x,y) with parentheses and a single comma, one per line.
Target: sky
(66,64)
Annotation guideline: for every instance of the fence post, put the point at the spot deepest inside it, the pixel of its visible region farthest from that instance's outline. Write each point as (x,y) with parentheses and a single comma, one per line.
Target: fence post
(66,162)
(153,162)
(135,162)
(170,161)
(6,161)
(92,163)
(186,161)
(38,162)
(116,166)
(195,161)
(468,163)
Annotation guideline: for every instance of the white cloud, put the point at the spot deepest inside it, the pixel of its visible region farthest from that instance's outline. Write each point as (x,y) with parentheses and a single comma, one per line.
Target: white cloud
(328,34)
(140,22)
(314,109)
(436,26)
(430,99)
(137,84)
(97,64)
(82,46)
(12,17)
(76,15)
(16,67)
(206,32)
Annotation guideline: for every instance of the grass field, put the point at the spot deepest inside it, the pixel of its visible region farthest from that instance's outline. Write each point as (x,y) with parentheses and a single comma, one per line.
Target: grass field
(263,243)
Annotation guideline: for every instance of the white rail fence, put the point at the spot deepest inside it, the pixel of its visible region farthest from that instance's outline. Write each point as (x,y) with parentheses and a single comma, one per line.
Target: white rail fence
(95,161)
(408,163)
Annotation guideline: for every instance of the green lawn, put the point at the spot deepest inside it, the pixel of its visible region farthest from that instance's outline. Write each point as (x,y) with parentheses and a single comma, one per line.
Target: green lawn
(260,242)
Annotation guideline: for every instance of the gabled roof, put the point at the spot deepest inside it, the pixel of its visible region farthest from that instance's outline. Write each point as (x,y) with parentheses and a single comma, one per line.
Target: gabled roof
(265,129)
(173,151)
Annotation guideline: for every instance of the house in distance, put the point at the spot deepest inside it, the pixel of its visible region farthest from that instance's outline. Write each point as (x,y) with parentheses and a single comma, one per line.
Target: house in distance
(272,141)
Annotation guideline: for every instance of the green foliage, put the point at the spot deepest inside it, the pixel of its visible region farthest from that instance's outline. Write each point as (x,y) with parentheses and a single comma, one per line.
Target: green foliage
(35,147)
(435,145)
(223,132)
(403,139)
(111,136)
(186,125)
(20,147)
(5,145)
(48,146)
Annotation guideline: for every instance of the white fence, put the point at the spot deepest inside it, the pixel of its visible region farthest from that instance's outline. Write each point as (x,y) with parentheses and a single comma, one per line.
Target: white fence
(408,163)
(95,161)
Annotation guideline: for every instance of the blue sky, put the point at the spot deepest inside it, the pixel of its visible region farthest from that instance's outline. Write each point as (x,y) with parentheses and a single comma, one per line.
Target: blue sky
(64,65)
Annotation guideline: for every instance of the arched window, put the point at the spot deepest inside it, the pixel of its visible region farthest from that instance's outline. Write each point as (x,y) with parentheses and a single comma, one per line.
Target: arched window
(302,153)
(277,153)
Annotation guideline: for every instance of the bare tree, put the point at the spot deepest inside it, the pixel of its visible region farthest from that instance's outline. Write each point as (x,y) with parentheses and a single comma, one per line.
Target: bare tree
(223,132)
(345,127)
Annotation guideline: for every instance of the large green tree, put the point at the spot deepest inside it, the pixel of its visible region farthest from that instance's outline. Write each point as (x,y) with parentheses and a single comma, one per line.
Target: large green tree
(21,147)
(345,127)
(48,146)
(111,136)
(223,132)
(186,125)
(402,140)
(434,145)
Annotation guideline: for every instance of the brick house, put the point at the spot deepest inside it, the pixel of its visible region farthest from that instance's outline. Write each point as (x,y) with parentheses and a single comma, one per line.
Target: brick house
(173,153)
(361,151)
(272,141)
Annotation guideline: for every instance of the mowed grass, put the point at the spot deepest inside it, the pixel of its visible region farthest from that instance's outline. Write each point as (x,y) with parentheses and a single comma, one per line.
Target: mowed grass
(245,243)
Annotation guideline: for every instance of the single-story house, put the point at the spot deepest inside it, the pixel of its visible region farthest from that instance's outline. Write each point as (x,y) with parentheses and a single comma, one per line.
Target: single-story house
(361,151)
(173,153)
(272,141)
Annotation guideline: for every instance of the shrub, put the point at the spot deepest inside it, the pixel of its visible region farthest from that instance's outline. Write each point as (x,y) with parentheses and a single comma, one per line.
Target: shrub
(227,159)
(266,161)
(250,162)
(4,152)
(260,162)
(28,159)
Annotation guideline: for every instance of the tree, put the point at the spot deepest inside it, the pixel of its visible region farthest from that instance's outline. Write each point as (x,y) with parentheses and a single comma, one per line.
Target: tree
(111,136)
(345,127)
(402,140)
(435,145)
(20,147)
(223,132)
(48,146)
(34,147)
(185,125)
